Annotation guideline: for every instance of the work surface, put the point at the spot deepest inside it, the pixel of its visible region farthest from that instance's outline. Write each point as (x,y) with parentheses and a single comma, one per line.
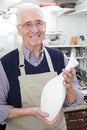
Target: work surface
(76,117)
(81,107)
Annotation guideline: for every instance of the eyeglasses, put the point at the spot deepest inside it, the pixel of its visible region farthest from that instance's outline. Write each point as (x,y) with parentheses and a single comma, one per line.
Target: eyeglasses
(29,25)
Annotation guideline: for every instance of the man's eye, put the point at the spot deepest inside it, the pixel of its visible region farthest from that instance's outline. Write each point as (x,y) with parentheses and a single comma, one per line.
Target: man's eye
(28,25)
(39,23)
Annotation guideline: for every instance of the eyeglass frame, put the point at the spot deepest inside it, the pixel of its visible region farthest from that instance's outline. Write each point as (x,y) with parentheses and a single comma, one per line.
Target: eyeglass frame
(39,24)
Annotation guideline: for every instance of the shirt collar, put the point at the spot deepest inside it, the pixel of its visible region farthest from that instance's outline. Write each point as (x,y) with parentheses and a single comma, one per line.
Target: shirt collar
(28,53)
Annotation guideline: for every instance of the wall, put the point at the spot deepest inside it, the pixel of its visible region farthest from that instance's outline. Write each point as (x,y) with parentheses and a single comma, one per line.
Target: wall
(7,34)
(51,21)
(71,26)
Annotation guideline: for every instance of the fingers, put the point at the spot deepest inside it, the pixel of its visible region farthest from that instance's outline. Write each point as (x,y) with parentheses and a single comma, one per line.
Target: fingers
(49,122)
(37,112)
(43,116)
(68,77)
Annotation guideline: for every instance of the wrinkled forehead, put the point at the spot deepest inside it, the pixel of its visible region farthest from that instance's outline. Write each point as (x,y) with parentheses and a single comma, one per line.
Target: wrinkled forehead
(31,15)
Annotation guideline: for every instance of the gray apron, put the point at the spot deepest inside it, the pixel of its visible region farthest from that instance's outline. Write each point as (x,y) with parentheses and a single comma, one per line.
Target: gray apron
(31,87)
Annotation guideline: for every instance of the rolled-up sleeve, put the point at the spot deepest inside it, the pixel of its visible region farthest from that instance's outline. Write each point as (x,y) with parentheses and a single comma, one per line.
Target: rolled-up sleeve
(76,85)
(4,88)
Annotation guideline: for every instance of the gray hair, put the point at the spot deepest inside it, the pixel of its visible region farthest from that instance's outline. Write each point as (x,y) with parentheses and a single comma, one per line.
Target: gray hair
(27,6)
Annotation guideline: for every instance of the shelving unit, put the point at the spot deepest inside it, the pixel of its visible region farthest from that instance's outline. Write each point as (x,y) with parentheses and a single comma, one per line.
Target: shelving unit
(79,50)
(65,11)
(68,48)
(79,13)
(54,32)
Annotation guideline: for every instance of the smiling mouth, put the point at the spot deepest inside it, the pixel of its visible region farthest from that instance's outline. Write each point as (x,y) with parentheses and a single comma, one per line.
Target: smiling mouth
(35,37)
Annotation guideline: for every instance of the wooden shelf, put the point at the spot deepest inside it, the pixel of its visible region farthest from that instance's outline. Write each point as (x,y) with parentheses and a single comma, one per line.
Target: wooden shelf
(79,13)
(54,32)
(63,46)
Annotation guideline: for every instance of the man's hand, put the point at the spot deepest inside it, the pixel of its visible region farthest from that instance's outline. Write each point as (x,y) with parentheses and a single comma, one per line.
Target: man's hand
(68,83)
(42,116)
(68,77)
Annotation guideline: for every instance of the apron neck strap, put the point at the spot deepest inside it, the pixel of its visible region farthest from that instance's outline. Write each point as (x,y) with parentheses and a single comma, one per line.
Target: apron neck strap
(49,60)
(21,60)
(22,65)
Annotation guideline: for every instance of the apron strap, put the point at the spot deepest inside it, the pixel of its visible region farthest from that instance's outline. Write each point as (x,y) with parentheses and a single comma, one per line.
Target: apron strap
(21,61)
(49,60)
(22,65)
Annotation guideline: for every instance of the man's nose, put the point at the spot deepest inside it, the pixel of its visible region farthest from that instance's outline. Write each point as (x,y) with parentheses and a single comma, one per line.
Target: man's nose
(34,28)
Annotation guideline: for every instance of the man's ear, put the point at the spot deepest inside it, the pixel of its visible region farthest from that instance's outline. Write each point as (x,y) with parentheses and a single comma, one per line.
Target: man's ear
(19,30)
